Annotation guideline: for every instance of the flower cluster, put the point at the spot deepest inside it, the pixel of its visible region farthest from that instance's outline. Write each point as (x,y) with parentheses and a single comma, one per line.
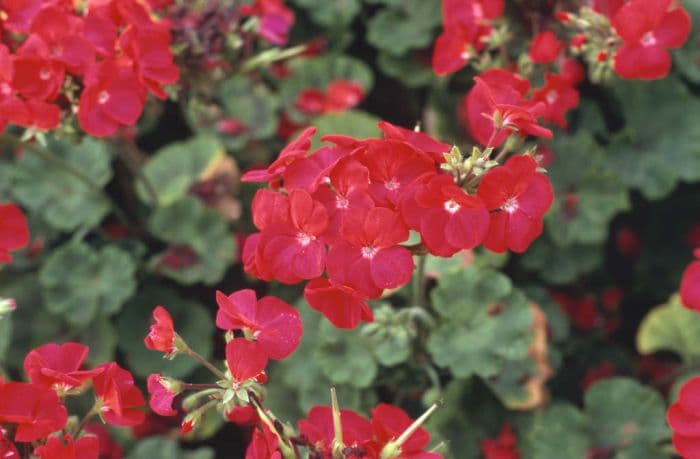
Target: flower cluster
(100,61)
(38,415)
(14,231)
(258,330)
(690,284)
(346,209)
(684,420)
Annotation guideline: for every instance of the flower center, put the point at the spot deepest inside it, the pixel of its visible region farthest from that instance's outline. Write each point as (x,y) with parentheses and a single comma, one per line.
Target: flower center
(465,54)
(44,74)
(392,184)
(511,205)
(477,10)
(341,202)
(102,97)
(369,251)
(552,96)
(5,89)
(304,239)
(451,206)
(648,39)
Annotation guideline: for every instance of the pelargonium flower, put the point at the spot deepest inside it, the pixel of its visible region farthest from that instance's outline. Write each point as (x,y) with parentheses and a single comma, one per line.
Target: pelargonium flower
(7,448)
(648,28)
(501,447)
(296,149)
(14,231)
(369,258)
(86,447)
(343,306)
(389,422)
(496,107)
(518,197)
(559,96)
(448,219)
(161,336)
(246,359)
(545,48)
(290,252)
(684,418)
(57,366)
(263,445)
(35,410)
(419,140)
(272,323)
(119,399)
(161,395)
(318,429)
(690,284)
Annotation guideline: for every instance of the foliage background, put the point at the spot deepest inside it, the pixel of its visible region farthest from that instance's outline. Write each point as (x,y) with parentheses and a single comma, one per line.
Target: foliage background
(626,175)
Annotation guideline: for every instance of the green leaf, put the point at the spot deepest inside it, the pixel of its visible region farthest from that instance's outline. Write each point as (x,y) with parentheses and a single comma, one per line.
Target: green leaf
(102,338)
(354,123)
(557,432)
(408,69)
(653,153)
(192,322)
(166,448)
(561,265)
(251,104)
(687,59)
(62,199)
(176,167)
(189,223)
(623,412)
(330,13)
(486,329)
(582,174)
(670,327)
(389,336)
(344,358)
(408,26)
(81,283)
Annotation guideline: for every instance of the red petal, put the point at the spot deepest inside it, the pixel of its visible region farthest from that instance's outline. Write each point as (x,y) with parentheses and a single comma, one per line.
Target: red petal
(391,267)
(674,28)
(245,359)
(644,62)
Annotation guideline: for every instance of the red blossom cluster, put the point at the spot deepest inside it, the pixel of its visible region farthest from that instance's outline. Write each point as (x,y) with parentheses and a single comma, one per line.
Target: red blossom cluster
(501,447)
(340,95)
(346,209)
(690,284)
(269,328)
(14,231)
(684,418)
(36,410)
(100,60)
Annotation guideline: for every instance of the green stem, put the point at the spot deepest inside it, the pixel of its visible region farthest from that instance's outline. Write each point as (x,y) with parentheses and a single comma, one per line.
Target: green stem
(220,374)
(129,155)
(83,422)
(418,284)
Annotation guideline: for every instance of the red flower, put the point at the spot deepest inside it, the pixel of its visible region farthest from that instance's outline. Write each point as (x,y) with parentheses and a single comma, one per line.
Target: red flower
(290,250)
(149,49)
(684,418)
(112,97)
(275,19)
(120,400)
(503,446)
(245,359)
(389,422)
(495,108)
(161,397)
(272,323)
(690,284)
(342,306)
(14,231)
(545,48)
(296,149)
(559,96)
(582,311)
(607,7)
(263,445)
(161,336)
(57,366)
(455,47)
(418,140)
(109,449)
(37,411)
(518,197)
(627,242)
(318,429)
(369,259)
(86,447)
(449,219)
(647,29)
(7,448)
(37,76)
(243,415)
(342,95)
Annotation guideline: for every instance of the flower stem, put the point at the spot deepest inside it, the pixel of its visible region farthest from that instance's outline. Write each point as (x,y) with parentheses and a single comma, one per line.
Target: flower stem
(418,284)
(220,374)
(129,155)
